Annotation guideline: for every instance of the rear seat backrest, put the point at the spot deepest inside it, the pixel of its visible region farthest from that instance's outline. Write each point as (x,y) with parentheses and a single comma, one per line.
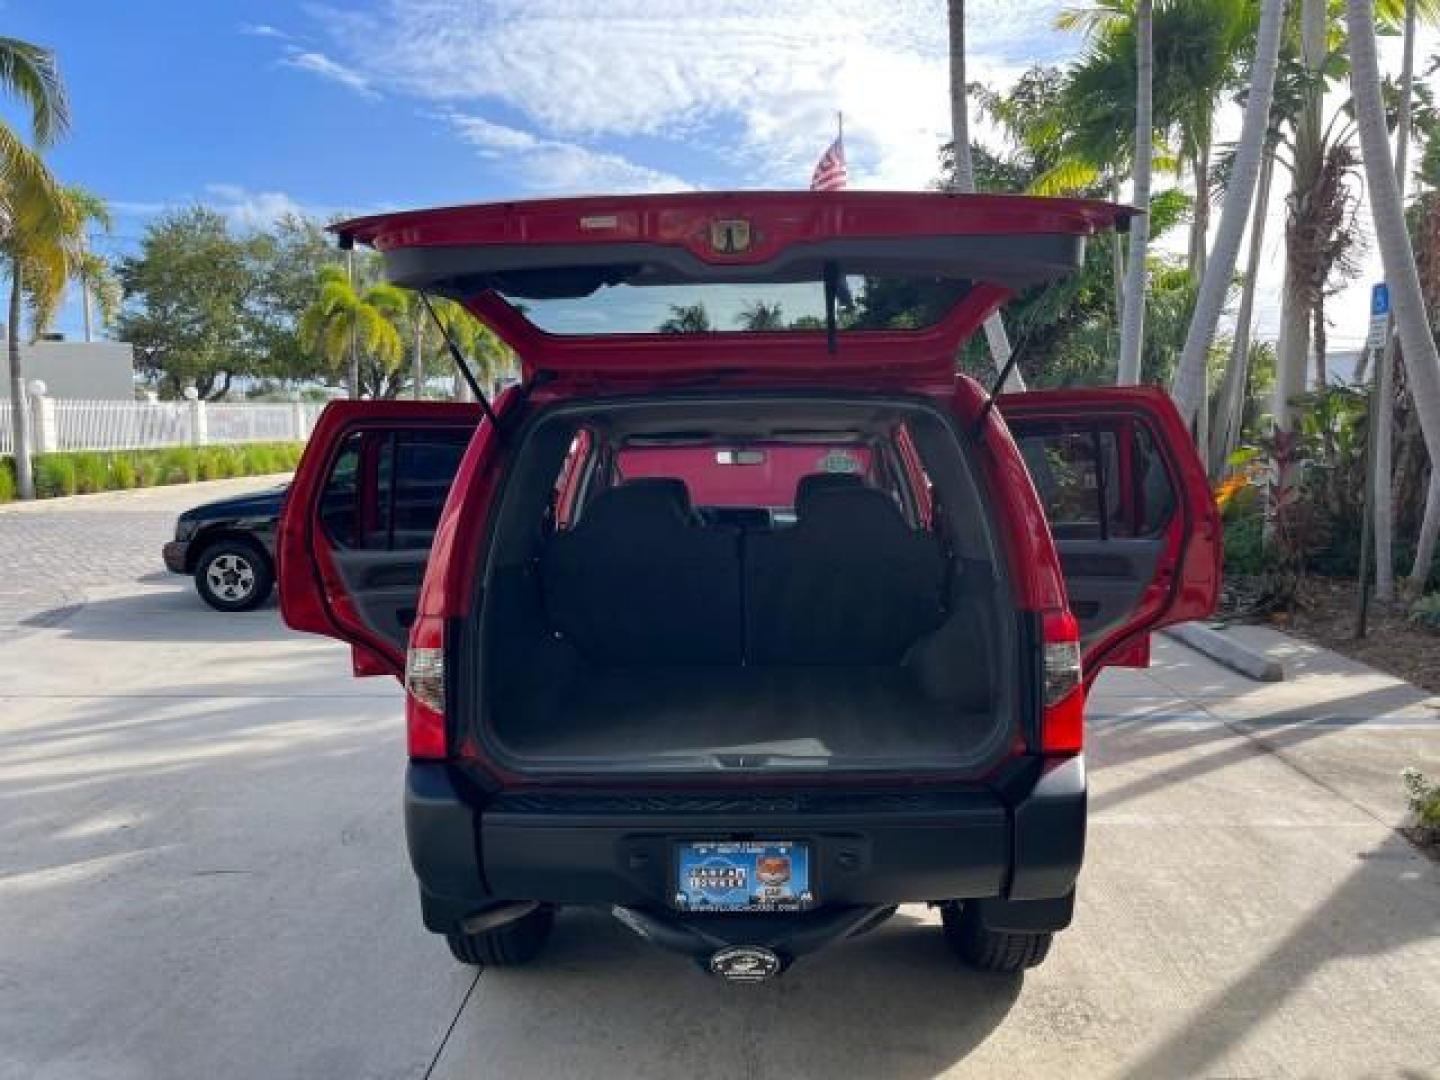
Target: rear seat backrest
(639,580)
(850,582)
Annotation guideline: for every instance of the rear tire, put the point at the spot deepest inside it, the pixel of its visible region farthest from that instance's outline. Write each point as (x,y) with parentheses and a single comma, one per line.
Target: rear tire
(1002,951)
(233,574)
(510,945)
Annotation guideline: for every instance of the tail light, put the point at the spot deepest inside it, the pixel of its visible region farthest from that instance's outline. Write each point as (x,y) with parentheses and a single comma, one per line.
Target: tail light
(1062,724)
(425,690)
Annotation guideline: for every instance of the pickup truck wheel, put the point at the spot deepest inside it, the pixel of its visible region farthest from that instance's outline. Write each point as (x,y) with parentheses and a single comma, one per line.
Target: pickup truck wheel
(1002,951)
(234,575)
(510,945)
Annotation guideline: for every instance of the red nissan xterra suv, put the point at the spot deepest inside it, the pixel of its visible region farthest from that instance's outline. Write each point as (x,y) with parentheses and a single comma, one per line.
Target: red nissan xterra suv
(746,618)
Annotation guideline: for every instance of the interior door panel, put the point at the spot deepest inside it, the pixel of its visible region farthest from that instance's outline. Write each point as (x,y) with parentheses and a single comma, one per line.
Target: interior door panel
(355,539)
(1129,508)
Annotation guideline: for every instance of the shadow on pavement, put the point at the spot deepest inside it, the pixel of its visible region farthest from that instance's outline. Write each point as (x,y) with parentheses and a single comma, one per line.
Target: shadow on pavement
(893,1003)
(1371,914)
(177,615)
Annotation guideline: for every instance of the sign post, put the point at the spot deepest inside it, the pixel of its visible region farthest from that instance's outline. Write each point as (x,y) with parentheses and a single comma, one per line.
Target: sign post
(1374,342)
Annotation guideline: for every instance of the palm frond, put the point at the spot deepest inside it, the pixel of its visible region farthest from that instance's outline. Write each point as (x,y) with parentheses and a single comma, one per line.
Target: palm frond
(29,73)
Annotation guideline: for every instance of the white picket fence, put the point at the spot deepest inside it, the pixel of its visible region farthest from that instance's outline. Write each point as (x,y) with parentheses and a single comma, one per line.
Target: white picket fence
(60,425)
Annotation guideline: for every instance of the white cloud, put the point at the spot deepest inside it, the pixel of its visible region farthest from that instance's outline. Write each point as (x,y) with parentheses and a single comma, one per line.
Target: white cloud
(248,209)
(768,73)
(555,166)
(263,30)
(318,63)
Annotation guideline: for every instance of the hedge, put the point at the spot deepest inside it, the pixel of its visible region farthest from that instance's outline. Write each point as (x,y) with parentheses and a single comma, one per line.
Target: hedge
(84,472)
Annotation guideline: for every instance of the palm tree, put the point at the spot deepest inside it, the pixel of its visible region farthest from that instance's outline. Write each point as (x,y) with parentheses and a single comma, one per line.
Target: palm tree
(477,343)
(962,176)
(341,316)
(758,315)
(1385,397)
(1225,434)
(80,210)
(1422,362)
(686,319)
(32,213)
(1132,324)
(1189,386)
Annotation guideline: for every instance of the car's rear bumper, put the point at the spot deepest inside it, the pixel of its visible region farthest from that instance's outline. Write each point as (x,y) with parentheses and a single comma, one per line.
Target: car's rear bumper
(868,850)
(174,553)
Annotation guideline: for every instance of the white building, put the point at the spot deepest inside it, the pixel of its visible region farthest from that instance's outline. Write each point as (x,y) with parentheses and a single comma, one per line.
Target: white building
(85,370)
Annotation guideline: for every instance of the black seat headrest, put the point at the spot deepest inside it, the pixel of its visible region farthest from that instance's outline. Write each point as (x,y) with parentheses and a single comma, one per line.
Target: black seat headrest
(853,510)
(654,501)
(813,484)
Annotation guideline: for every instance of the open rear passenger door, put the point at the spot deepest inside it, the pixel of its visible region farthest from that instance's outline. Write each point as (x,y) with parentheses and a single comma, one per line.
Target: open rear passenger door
(355,536)
(1130,509)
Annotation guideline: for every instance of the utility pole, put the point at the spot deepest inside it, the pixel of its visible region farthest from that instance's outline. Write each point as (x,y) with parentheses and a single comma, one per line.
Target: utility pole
(354,376)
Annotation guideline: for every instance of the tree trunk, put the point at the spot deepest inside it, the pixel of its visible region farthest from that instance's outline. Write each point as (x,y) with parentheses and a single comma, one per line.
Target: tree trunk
(1422,362)
(19,402)
(1200,219)
(963,176)
(1385,399)
(1132,324)
(1226,436)
(1319,343)
(417,363)
(1429,533)
(1292,352)
(85,308)
(1117,257)
(1250,161)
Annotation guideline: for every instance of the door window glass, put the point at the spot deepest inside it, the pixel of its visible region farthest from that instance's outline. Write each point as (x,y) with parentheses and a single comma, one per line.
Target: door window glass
(387,488)
(1099,481)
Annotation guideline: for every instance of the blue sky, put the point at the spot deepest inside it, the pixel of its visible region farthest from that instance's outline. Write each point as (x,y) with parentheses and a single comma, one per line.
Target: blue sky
(262,107)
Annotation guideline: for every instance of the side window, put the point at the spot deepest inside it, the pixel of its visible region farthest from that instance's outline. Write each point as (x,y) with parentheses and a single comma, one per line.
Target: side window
(386,489)
(1099,481)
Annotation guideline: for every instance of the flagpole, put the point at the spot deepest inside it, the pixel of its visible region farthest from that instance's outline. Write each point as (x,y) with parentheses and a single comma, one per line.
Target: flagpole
(839,127)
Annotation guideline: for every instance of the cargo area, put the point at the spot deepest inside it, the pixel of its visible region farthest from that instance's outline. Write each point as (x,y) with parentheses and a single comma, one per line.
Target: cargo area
(748,584)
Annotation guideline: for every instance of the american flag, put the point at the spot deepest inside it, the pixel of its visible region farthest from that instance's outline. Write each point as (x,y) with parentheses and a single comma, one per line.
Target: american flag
(830,173)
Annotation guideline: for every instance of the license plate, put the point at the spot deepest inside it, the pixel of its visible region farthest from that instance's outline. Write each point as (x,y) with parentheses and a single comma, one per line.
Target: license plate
(748,875)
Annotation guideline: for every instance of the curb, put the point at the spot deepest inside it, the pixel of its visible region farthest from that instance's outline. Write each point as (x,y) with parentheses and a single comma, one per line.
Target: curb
(29,506)
(1227,652)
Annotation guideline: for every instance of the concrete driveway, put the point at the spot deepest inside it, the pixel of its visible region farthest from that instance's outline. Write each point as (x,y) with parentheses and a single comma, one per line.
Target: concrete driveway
(202,874)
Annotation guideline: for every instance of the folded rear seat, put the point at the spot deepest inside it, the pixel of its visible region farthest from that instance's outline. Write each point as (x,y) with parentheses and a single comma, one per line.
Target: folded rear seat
(850,583)
(640,581)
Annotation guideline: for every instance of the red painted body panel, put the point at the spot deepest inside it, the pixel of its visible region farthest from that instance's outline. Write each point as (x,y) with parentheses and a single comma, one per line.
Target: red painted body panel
(777,220)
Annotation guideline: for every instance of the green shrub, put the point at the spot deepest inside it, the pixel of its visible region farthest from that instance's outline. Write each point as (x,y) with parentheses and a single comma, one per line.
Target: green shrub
(178,465)
(54,475)
(123,472)
(148,470)
(92,473)
(1425,613)
(1424,803)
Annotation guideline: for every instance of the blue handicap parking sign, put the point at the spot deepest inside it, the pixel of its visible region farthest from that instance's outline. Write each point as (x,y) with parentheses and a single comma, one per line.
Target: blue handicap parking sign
(1380,299)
